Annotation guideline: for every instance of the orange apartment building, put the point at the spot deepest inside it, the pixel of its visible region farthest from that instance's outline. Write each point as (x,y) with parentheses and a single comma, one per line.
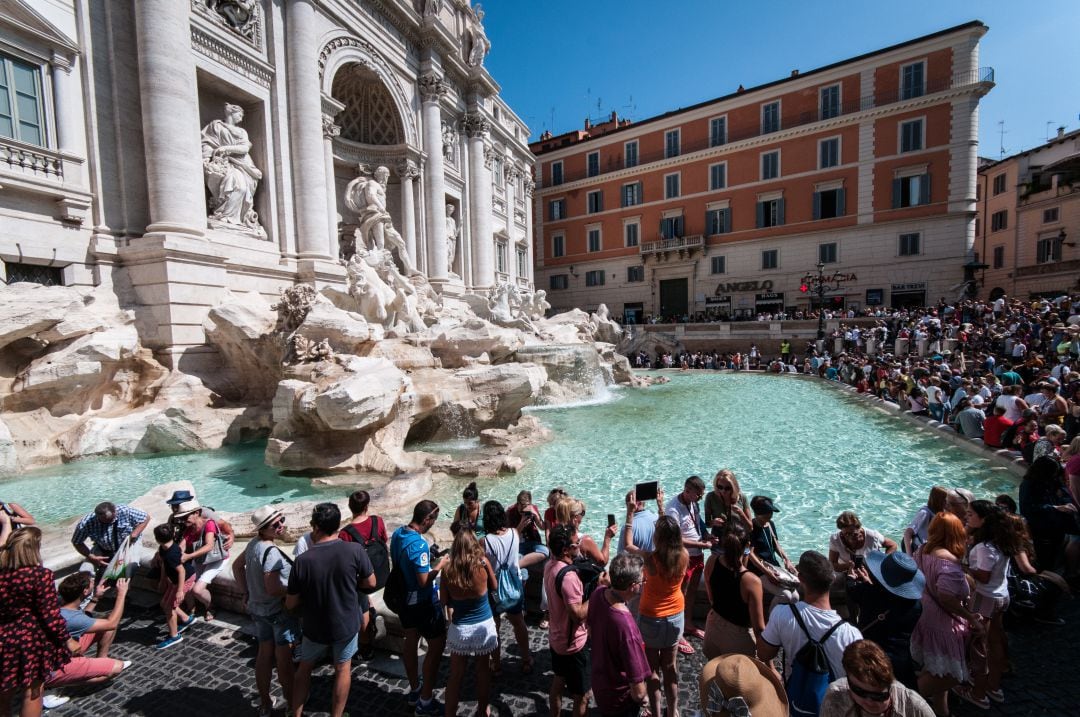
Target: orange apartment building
(1029,221)
(867,165)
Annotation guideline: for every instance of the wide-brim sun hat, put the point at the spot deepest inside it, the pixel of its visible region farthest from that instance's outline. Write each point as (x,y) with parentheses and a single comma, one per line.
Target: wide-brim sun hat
(188,507)
(743,679)
(264,516)
(897,573)
(180,496)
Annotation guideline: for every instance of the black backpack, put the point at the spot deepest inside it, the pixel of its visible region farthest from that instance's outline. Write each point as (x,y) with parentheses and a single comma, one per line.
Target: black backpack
(378,553)
(588,573)
(811,671)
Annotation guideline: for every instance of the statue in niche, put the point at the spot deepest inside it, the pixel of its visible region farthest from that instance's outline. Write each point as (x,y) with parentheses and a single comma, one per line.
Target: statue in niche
(451,238)
(231,175)
(449,137)
(383,295)
(479,45)
(366,196)
(431,8)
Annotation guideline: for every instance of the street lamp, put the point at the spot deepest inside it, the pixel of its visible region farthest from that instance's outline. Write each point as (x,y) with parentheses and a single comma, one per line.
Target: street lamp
(820,286)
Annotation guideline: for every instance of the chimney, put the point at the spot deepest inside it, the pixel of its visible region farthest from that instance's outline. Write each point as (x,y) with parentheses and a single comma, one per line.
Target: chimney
(613,116)
(588,123)
(794,73)
(1061,131)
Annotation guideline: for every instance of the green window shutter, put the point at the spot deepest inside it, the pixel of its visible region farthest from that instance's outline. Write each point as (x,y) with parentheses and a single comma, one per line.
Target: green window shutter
(896,190)
(841,207)
(817,205)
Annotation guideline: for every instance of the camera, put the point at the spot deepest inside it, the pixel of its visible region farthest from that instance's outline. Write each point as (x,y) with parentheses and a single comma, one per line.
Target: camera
(437,553)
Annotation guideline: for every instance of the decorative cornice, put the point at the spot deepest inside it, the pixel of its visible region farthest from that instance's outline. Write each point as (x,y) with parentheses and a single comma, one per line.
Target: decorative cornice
(432,87)
(529,184)
(230,57)
(475,125)
(329,129)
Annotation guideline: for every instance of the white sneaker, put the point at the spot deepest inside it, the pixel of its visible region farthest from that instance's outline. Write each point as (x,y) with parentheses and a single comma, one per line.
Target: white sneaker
(53,701)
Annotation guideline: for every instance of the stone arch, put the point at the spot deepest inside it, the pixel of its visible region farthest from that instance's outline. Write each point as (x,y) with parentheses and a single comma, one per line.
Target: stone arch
(346,50)
(370,116)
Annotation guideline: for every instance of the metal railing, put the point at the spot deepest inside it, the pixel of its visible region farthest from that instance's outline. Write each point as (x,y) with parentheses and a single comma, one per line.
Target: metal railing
(614,161)
(697,241)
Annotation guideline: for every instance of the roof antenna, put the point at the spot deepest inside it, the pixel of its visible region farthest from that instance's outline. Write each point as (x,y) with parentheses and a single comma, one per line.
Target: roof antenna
(1001,132)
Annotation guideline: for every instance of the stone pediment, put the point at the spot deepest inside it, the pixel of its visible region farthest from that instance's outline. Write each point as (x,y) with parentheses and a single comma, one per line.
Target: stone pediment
(22,17)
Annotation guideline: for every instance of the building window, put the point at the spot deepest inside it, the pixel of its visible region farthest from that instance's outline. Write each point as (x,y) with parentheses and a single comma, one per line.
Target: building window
(718,221)
(630,154)
(717,131)
(556,173)
(719,264)
(595,201)
(770,117)
(911,135)
(829,204)
(671,227)
(999,220)
(717,176)
(21,113)
(631,234)
(500,257)
(829,153)
(830,102)
(556,209)
(594,277)
(592,163)
(770,213)
(912,80)
(770,165)
(499,174)
(631,194)
(827,253)
(558,281)
(770,259)
(671,143)
(34,274)
(1048,250)
(671,186)
(635,273)
(999,257)
(522,262)
(911,191)
(558,246)
(999,184)
(594,239)
(909,244)
(1050,215)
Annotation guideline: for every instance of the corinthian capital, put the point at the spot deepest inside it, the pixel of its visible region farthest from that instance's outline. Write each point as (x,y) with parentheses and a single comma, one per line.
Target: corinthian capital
(407,169)
(490,155)
(475,125)
(432,87)
(528,184)
(329,129)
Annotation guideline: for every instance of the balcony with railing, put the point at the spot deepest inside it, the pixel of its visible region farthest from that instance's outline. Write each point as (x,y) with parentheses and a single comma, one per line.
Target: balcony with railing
(683,245)
(30,161)
(614,161)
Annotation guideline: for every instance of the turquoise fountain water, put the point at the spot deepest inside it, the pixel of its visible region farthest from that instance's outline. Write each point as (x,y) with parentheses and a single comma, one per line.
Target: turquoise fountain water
(817,450)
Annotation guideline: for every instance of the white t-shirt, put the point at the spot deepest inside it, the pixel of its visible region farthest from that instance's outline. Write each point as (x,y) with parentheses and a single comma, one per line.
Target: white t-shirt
(688,520)
(874,541)
(986,556)
(783,631)
(920,525)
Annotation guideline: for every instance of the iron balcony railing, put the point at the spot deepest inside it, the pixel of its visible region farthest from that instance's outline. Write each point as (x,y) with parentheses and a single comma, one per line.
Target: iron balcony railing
(614,160)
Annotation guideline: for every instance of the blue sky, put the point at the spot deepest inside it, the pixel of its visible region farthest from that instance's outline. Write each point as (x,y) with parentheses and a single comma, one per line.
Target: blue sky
(559,61)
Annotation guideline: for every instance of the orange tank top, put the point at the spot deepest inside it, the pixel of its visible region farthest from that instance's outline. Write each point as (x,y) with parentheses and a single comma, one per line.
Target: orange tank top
(661,597)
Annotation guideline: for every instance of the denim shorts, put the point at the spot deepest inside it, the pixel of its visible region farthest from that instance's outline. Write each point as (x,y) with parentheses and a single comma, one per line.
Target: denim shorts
(281,627)
(311,651)
(659,633)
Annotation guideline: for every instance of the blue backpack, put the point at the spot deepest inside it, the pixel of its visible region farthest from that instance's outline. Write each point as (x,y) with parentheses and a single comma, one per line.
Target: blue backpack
(508,589)
(811,672)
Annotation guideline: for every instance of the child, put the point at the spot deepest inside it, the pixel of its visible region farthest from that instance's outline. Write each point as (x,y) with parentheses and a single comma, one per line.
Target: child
(175,581)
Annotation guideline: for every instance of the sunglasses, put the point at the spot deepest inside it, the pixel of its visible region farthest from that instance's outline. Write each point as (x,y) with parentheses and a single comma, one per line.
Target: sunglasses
(871,695)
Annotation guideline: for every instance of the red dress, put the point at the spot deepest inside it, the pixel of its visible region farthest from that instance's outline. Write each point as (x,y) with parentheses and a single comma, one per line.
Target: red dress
(33,634)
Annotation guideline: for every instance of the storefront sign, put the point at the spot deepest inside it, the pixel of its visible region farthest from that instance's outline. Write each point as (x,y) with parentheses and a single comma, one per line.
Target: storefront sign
(734,286)
(829,278)
(769,299)
(914,286)
(717,300)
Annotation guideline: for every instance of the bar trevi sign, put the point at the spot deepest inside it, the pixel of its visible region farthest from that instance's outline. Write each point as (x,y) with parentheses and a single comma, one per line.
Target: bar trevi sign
(747,286)
(913,286)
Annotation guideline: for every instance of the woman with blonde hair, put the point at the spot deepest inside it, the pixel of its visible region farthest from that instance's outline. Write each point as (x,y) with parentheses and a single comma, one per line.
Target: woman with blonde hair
(571,511)
(33,633)
(939,641)
(726,506)
(660,612)
(466,581)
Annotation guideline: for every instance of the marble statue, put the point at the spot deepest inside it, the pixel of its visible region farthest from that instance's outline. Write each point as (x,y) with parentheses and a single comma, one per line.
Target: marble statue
(231,175)
(449,138)
(538,305)
(451,237)
(383,295)
(479,45)
(605,328)
(366,196)
(239,14)
(306,350)
(431,8)
(505,307)
(294,306)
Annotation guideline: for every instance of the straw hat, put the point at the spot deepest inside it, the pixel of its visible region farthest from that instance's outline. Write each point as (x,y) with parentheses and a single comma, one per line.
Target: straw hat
(732,681)
(264,516)
(188,507)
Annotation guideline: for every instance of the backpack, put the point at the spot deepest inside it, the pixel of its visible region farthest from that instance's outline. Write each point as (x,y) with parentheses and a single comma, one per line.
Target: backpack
(811,672)
(377,551)
(509,589)
(395,593)
(588,573)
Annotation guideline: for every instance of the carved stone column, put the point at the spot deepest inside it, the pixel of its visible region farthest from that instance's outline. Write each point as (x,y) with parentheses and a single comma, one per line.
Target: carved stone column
(305,129)
(170,118)
(67,95)
(432,89)
(529,185)
(480,231)
(408,171)
(330,130)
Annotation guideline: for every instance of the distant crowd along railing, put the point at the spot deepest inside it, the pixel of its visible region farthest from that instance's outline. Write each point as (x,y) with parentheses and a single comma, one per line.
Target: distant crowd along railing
(614,161)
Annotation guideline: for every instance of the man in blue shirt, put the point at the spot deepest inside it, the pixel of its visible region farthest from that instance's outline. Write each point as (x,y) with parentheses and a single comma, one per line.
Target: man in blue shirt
(423,615)
(107,528)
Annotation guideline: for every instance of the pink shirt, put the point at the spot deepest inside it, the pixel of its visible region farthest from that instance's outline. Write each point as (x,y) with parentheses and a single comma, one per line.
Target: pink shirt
(559,637)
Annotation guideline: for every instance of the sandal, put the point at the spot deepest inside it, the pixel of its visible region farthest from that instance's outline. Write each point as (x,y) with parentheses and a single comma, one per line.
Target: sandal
(997,695)
(685,647)
(964,693)
(694,632)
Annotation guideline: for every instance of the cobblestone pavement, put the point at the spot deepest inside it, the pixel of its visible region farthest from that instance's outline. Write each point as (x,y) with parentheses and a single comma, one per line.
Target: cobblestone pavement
(211,673)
